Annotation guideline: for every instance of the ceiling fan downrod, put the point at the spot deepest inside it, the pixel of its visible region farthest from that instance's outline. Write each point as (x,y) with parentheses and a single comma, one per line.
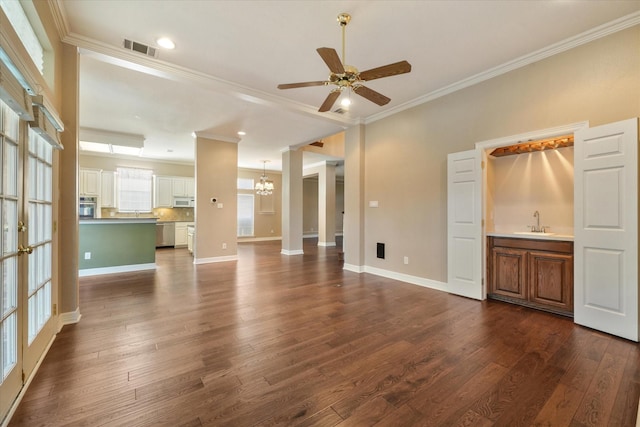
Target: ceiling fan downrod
(343,20)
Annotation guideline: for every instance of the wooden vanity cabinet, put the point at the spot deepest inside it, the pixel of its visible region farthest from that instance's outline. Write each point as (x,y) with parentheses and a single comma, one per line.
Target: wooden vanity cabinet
(531,272)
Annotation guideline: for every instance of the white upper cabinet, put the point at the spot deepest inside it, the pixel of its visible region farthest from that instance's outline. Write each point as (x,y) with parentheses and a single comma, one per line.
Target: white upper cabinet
(108,189)
(183,187)
(162,194)
(90,182)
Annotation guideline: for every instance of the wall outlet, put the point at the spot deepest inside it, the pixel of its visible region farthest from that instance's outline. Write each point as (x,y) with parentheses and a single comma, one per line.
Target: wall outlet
(272,231)
(224,246)
(219,205)
(406,260)
(87,255)
(112,214)
(187,213)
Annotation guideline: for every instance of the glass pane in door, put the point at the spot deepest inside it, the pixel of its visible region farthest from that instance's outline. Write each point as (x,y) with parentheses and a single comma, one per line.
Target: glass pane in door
(40,219)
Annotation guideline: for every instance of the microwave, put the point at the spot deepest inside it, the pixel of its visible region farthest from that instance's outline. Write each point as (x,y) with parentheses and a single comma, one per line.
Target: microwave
(183,202)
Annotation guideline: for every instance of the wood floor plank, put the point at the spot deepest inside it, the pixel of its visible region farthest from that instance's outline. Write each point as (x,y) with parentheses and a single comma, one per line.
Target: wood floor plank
(296,340)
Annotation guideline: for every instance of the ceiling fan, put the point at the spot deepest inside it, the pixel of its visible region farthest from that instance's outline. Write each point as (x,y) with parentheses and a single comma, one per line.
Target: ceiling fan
(347,76)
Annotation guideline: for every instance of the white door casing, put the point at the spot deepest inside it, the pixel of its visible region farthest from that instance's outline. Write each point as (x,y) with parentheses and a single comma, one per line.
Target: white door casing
(464,224)
(606,228)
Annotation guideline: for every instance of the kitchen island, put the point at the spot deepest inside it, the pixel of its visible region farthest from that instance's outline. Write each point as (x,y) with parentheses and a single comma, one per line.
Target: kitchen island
(116,245)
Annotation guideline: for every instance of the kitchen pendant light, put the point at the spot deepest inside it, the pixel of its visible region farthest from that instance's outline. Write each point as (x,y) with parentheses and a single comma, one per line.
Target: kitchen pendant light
(265,186)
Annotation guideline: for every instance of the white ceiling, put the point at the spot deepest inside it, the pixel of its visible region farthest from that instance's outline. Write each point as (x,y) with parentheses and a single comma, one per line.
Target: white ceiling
(231,55)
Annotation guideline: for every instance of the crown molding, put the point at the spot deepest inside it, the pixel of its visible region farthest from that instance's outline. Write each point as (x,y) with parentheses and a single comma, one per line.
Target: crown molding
(554,49)
(60,20)
(222,138)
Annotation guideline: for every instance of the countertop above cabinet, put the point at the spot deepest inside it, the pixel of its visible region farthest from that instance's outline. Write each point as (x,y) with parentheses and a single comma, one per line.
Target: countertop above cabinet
(531,235)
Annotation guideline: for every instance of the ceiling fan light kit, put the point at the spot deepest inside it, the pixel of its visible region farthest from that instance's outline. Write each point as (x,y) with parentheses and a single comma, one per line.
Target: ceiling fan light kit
(348,77)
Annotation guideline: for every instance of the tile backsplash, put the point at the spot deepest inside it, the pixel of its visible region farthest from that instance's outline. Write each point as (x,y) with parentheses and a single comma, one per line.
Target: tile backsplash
(163,214)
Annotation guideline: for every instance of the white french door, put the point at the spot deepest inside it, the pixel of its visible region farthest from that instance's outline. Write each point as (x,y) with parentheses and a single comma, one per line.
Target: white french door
(11,306)
(464,223)
(606,228)
(39,197)
(26,196)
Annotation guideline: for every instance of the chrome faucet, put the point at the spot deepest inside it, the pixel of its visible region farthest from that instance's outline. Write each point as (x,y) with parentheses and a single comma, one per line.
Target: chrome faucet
(536,228)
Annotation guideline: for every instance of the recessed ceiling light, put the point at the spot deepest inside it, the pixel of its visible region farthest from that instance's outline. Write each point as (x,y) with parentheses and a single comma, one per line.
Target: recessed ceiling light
(166,43)
(242,133)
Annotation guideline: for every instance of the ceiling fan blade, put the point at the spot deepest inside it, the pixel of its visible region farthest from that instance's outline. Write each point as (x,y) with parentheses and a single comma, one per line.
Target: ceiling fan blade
(303,84)
(328,103)
(331,58)
(371,95)
(386,71)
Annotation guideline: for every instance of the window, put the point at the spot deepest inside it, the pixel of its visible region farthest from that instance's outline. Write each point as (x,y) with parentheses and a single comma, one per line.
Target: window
(135,189)
(20,23)
(245,184)
(245,215)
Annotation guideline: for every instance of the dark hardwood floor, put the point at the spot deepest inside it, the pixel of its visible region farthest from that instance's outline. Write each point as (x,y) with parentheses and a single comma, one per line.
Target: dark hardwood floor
(277,340)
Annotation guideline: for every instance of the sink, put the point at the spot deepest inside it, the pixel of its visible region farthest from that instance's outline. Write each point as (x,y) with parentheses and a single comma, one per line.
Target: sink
(533,233)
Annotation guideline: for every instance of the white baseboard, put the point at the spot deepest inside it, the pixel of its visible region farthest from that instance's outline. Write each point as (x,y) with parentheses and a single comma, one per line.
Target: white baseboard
(198,261)
(407,278)
(69,318)
(327,244)
(312,235)
(258,239)
(414,280)
(27,383)
(354,268)
(117,269)
(295,252)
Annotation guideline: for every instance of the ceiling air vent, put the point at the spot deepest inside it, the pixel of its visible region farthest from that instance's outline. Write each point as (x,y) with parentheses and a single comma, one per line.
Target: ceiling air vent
(140,48)
(340,110)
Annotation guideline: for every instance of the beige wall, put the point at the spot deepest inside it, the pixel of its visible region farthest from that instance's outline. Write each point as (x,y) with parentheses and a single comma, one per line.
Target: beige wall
(216,176)
(266,224)
(310,206)
(405,154)
(526,183)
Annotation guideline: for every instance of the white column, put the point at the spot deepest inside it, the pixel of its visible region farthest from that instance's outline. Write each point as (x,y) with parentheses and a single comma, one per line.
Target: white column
(327,205)
(292,203)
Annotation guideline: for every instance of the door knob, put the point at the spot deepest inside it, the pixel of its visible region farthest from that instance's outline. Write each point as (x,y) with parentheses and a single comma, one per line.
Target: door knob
(21,227)
(22,250)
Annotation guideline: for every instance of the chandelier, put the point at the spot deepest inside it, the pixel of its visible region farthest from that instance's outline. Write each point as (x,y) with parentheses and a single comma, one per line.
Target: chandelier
(265,186)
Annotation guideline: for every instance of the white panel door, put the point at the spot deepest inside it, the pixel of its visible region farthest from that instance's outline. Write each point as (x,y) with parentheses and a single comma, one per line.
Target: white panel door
(606,228)
(464,218)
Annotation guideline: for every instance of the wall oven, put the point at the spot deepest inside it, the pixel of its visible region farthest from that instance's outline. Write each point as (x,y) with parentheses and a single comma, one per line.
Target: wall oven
(88,207)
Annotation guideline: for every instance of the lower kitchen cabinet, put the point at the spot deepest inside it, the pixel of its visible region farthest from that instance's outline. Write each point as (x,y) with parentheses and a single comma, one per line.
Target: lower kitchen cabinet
(535,273)
(181,234)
